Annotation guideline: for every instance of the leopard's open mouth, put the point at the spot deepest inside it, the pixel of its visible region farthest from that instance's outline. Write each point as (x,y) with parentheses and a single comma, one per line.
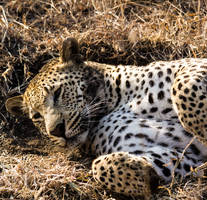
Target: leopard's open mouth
(59,130)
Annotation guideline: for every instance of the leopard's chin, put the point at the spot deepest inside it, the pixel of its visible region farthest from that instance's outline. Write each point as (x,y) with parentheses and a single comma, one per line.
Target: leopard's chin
(60,141)
(77,140)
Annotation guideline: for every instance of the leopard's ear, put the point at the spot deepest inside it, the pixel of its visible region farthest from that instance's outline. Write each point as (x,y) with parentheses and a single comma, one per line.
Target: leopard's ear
(94,84)
(14,105)
(70,51)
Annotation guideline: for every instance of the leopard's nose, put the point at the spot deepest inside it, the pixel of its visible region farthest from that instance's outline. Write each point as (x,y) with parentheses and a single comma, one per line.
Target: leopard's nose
(59,130)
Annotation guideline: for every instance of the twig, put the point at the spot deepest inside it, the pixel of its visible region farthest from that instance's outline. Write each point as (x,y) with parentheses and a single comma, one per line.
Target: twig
(201,167)
(21,24)
(6,24)
(179,160)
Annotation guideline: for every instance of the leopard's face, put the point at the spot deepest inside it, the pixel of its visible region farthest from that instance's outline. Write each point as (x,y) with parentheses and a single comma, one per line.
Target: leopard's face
(59,109)
(63,97)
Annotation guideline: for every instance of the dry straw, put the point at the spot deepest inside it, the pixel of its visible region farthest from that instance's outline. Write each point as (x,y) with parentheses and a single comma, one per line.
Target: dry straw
(110,31)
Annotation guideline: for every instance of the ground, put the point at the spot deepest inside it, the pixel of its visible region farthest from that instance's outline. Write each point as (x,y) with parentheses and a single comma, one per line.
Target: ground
(115,32)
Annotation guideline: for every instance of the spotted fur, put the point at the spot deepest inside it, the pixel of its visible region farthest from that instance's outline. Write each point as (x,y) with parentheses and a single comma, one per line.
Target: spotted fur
(137,120)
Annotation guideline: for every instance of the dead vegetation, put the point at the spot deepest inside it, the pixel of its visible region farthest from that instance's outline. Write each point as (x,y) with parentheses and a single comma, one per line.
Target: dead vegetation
(110,31)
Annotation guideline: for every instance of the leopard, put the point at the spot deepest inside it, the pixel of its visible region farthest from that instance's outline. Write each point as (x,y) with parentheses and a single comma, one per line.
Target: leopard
(144,124)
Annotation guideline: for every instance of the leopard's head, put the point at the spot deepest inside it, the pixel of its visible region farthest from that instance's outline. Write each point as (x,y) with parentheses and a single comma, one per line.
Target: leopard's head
(63,98)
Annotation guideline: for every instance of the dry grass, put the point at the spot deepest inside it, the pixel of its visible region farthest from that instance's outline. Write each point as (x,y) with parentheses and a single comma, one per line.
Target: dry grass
(35,176)
(110,31)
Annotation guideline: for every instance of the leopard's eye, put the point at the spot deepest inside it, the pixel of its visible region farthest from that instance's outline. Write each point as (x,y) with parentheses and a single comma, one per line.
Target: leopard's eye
(57,94)
(36,116)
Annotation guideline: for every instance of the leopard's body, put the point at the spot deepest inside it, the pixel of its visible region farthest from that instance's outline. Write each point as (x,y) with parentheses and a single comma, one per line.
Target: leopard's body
(146,116)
